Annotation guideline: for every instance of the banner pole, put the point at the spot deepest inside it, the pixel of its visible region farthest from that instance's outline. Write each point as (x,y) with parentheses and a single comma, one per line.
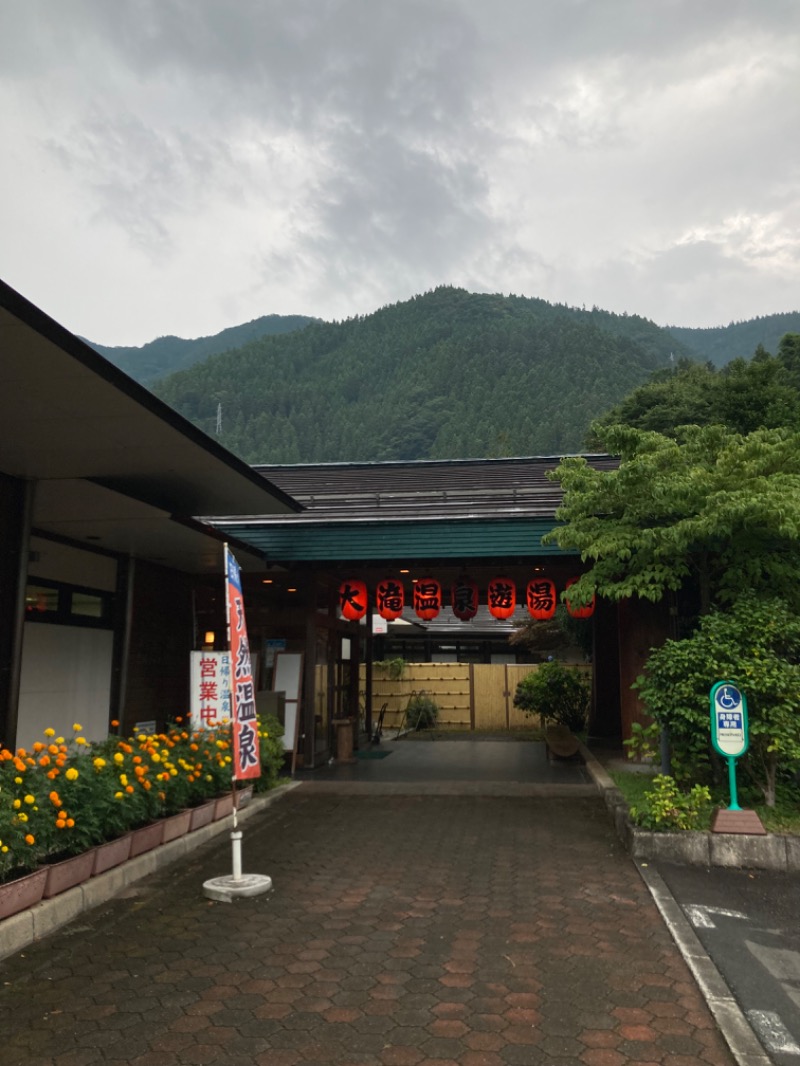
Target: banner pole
(243,736)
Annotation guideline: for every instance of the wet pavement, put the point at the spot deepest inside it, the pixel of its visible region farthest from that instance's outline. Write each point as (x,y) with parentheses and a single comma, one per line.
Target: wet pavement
(404,929)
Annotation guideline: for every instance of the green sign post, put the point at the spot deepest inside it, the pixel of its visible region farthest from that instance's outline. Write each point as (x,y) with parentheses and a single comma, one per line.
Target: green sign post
(729,729)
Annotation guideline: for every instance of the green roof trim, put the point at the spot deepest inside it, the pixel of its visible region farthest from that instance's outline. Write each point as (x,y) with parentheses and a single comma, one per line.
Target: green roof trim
(446,539)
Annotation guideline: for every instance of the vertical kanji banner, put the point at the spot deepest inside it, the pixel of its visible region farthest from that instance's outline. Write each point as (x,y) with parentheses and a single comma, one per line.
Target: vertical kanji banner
(244,718)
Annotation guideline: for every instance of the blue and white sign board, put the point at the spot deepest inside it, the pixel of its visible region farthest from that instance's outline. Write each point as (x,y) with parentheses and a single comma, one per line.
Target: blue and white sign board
(729,729)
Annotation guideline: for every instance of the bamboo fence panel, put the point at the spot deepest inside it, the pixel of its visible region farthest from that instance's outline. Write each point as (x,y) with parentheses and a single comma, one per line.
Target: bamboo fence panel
(491,702)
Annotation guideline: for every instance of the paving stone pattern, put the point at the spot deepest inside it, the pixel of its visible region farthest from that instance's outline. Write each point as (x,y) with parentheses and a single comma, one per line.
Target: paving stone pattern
(402,931)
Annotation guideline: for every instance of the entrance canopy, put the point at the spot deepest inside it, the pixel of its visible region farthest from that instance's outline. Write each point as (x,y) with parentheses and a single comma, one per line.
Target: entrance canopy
(113,466)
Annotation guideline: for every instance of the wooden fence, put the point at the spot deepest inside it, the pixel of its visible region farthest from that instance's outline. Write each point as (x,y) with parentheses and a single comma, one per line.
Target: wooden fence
(475,696)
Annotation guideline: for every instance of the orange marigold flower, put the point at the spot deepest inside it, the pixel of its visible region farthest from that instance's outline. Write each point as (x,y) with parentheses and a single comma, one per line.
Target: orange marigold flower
(114,723)
(62,814)
(30,839)
(52,774)
(137,758)
(53,749)
(60,823)
(129,788)
(44,760)
(54,798)
(70,823)
(38,746)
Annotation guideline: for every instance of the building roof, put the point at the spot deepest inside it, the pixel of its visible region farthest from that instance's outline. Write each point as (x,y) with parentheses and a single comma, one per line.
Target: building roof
(455,488)
(461,508)
(112,464)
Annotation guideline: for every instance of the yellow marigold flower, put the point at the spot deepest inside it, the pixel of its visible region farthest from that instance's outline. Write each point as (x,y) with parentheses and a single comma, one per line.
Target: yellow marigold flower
(99,763)
(49,732)
(29,799)
(123,779)
(77,727)
(155,757)
(22,817)
(119,757)
(119,795)
(72,774)
(16,804)
(17,780)
(59,740)
(81,740)
(4,848)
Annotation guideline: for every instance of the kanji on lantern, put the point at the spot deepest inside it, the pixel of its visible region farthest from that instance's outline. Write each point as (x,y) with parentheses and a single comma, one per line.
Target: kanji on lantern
(502,597)
(353,600)
(464,599)
(390,598)
(541,598)
(427,598)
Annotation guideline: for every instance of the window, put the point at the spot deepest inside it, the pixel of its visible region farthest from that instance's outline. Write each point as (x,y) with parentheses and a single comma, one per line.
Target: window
(70,605)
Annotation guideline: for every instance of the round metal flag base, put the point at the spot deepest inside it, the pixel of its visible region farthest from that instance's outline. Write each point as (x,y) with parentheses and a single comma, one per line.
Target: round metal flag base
(227,889)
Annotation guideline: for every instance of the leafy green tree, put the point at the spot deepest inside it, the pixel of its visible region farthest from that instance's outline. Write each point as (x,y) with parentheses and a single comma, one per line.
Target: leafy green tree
(755,644)
(714,507)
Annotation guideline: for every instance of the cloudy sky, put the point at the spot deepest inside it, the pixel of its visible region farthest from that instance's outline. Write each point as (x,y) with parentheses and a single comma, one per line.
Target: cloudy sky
(179,166)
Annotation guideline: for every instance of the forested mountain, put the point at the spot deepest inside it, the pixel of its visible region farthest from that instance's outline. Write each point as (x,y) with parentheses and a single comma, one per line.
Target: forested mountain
(169,354)
(447,374)
(739,339)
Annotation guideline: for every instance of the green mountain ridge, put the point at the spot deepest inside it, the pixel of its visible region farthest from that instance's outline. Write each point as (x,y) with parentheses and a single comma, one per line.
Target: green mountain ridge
(738,340)
(447,374)
(166,355)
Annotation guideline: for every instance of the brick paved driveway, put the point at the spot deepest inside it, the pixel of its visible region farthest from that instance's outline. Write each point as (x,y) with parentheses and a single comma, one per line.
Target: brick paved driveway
(404,930)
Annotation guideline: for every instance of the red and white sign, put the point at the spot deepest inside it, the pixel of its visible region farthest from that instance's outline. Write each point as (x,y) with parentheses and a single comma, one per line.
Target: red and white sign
(210,688)
(244,717)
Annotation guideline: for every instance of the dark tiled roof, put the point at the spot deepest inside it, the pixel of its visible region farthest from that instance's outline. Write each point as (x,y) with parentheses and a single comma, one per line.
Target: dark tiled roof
(459,488)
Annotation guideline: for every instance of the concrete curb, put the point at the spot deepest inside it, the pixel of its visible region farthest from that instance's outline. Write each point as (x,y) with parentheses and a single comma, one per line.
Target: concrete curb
(774,851)
(20,930)
(689,849)
(734,1026)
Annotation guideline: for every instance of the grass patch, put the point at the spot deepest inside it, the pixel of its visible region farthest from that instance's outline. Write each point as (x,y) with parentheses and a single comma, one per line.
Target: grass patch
(784,817)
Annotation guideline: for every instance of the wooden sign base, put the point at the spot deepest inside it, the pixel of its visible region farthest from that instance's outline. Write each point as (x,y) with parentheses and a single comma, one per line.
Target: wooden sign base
(745,822)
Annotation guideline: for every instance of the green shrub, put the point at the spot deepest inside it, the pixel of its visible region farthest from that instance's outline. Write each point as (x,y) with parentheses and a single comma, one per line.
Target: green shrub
(665,808)
(422,712)
(270,741)
(556,692)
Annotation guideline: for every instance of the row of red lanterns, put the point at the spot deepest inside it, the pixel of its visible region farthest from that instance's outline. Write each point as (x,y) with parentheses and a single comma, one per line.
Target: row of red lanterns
(540,598)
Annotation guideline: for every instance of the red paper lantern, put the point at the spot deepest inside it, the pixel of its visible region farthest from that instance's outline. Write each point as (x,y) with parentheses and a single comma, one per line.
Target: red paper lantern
(579,612)
(427,598)
(541,598)
(353,600)
(502,597)
(390,598)
(464,599)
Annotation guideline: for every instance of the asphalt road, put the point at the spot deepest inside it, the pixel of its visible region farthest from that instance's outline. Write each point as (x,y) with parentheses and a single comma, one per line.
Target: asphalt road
(749,923)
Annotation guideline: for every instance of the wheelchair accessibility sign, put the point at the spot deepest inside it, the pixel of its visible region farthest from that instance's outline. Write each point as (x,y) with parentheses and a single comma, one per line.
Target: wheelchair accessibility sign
(729,730)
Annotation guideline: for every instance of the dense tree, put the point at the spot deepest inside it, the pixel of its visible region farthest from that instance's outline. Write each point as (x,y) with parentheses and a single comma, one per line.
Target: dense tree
(763,392)
(714,507)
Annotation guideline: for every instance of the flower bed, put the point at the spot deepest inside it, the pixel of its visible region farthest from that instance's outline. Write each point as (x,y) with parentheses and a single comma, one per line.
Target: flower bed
(64,797)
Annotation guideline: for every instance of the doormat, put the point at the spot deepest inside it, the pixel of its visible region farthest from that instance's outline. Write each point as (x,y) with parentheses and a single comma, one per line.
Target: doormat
(372,754)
